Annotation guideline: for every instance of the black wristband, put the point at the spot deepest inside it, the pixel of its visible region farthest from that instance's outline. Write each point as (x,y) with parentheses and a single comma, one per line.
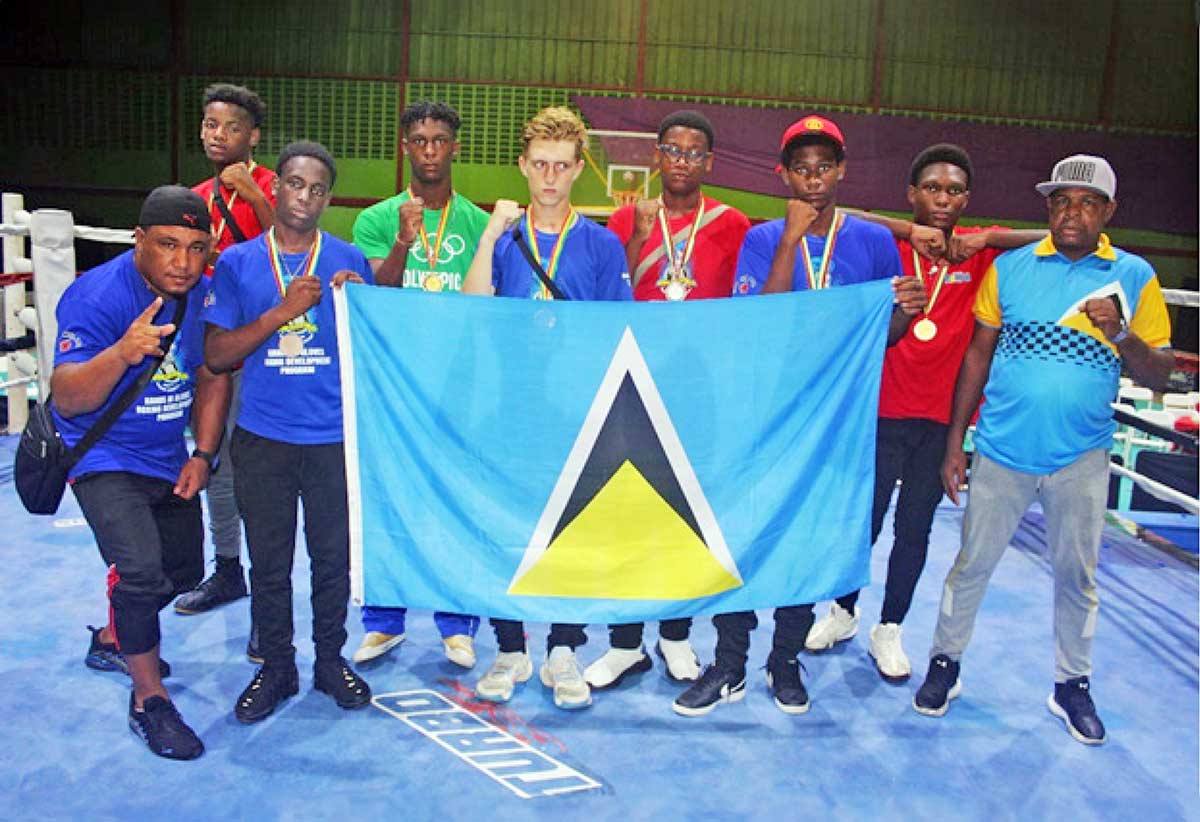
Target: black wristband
(208,456)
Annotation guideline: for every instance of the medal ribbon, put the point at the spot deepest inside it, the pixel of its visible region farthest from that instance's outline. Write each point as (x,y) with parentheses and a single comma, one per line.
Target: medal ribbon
(550,268)
(937,288)
(431,251)
(688,247)
(214,193)
(278,268)
(820,278)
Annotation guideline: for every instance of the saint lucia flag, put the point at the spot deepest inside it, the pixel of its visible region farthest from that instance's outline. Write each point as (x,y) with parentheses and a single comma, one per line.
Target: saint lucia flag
(609,462)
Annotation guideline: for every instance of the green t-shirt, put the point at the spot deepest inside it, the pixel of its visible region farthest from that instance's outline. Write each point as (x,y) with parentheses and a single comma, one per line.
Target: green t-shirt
(376,228)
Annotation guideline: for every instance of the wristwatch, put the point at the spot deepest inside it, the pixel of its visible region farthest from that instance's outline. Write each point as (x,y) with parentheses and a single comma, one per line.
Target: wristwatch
(1121,335)
(209,457)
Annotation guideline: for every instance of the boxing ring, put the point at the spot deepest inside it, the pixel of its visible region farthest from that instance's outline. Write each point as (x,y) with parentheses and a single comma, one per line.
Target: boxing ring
(861,750)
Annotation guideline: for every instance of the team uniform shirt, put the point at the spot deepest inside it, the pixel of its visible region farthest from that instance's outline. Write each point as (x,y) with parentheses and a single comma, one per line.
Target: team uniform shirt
(591,267)
(918,377)
(292,399)
(376,228)
(1054,374)
(94,313)
(242,211)
(714,254)
(862,252)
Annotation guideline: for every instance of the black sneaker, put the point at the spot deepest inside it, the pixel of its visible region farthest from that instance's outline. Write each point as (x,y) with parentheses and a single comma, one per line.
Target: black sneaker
(271,686)
(104,656)
(715,685)
(226,584)
(336,678)
(940,686)
(1072,703)
(252,652)
(783,678)
(162,729)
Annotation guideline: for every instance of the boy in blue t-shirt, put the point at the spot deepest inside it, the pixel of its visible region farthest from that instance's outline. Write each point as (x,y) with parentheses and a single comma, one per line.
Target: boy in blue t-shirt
(269,308)
(816,246)
(579,260)
(137,485)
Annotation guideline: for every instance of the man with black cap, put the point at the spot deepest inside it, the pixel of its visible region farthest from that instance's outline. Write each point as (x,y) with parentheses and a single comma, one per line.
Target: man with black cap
(1054,324)
(137,485)
(815,246)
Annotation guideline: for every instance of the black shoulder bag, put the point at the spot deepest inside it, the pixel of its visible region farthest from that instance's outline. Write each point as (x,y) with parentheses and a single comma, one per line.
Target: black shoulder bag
(43,459)
(554,290)
(239,236)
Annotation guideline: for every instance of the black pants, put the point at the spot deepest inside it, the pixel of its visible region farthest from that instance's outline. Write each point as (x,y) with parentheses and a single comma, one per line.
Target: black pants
(270,477)
(510,635)
(628,636)
(911,451)
(154,539)
(792,623)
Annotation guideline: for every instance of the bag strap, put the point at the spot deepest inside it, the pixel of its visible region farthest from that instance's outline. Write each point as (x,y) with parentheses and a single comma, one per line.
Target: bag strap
(239,236)
(130,395)
(681,235)
(554,290)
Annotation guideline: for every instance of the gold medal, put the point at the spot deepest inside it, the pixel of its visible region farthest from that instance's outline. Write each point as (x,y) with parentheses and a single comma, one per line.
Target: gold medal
(291,345)
(925,329)
(675,291)
(432,282)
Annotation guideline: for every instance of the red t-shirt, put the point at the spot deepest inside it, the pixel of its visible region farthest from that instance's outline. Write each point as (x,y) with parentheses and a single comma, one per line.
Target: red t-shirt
(918,377)
(714,255)
(241,210)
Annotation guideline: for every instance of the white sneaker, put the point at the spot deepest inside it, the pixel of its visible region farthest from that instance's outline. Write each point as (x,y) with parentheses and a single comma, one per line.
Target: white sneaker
(682,663)
(508,669)
(376,644)
(561,672)
(460,649)
(836,626)
(888,652)
(611,669)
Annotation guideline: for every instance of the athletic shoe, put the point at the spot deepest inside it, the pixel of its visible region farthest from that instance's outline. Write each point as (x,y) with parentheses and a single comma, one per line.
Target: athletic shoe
(104,656)
(715,685)
(460,649)
(163,730)
(374,645)
(336,678)
(941,685)
(1072,703)
(888,653)
(561,672)
(225,585)
(252,652)
(682,663)
(508,669)
(270,687)
(836,626)
(611,669)
(783,678)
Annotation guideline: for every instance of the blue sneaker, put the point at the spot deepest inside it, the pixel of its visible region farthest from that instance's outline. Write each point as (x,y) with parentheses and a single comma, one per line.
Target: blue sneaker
(715,685)
(940,686)
(104,656)
(1072,703)
(163,730)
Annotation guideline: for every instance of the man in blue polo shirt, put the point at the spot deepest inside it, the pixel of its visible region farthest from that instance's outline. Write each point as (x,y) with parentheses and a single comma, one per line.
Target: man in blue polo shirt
(584,262)
(137,485)
(1055,322)
(269,307)
(815,246)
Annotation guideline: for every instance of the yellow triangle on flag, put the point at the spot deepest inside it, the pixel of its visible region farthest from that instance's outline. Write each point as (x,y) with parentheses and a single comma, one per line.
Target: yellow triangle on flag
(1080,322)
(628,543)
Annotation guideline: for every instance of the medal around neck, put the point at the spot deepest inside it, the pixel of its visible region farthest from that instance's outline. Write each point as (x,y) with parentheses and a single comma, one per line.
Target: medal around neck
(291,344)
(925,329)
(432,282)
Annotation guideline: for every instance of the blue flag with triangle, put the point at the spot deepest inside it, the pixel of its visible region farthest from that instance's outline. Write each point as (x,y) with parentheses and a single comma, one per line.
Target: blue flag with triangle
(609,462)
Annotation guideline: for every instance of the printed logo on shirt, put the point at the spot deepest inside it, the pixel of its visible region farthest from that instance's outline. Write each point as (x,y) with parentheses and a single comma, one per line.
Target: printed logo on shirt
(745,284)
(452,246)
(68,341)
(958,277)
(210,298)
(170,377)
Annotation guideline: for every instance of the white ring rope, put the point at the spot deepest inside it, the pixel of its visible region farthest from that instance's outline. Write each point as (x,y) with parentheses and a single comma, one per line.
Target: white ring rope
(82,232)
(1177,296)
(1157,489)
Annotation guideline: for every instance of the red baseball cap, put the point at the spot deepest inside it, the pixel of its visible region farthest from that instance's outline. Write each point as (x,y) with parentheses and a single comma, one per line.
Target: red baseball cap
(812,124)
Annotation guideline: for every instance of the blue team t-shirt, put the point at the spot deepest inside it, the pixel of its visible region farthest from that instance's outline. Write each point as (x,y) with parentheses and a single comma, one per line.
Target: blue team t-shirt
(592,265)
(862,252)
(293,399)
(94,312)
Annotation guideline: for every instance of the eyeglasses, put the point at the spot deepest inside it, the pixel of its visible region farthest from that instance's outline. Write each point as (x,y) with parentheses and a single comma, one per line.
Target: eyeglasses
(674,154)
(297,185)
